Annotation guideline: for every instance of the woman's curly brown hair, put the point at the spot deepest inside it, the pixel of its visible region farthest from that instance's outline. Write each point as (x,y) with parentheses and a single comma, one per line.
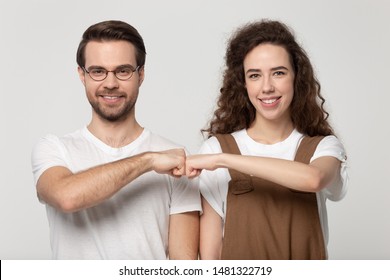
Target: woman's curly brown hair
(234,109)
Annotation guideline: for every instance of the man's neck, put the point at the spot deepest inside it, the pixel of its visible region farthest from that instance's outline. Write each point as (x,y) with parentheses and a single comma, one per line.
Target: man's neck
(115,134)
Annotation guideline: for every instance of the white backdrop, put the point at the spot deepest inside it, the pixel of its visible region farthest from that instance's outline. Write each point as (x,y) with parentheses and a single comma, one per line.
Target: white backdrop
(347,41)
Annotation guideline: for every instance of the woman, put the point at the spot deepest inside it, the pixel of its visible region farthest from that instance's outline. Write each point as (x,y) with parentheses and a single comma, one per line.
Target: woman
(275,156)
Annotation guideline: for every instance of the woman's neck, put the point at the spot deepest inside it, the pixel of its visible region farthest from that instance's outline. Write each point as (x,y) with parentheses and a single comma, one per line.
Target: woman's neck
(269,132)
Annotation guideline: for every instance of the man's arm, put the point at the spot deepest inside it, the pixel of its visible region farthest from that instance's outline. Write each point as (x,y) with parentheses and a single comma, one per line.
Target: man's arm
(184,236)
(211,232)
(70,192)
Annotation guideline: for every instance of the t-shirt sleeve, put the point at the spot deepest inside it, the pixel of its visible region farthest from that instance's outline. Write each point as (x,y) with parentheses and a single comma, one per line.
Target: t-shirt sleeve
(45,154)
(210,185)
(331,146)
(185,195)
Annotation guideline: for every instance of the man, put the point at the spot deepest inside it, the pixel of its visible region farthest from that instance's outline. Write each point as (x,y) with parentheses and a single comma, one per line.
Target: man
(114,190)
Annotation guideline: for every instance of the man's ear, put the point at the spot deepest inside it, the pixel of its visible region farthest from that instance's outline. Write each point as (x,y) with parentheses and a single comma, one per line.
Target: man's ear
(141,75)
(81,74)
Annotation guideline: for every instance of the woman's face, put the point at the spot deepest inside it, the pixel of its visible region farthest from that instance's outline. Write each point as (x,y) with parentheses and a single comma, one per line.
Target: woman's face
(269,79)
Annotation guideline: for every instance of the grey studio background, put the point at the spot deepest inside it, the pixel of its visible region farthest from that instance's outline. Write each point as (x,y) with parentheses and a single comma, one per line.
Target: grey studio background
(347,41)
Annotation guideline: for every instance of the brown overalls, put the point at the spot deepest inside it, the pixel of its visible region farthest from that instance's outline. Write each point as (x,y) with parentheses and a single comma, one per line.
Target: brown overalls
(267,221)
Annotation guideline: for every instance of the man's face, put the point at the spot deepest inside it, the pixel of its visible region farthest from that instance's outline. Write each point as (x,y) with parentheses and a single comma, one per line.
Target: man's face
(111,99)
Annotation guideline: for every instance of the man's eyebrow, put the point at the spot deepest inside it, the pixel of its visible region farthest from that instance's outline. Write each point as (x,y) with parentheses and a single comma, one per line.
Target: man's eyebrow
(125,66)
(117,67)
(95,66)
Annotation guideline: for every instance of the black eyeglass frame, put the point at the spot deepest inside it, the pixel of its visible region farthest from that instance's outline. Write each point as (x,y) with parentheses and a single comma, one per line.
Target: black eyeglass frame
(113,71)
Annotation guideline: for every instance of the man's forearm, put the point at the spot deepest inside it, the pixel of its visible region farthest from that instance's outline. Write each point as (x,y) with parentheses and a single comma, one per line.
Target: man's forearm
(72,192)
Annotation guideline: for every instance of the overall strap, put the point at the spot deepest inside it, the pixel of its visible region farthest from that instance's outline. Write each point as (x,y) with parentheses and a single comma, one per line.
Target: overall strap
(243,182)
(307,148)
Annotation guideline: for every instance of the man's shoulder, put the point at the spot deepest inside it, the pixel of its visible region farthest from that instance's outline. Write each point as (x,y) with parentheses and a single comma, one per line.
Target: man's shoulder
(64,139)
(158,141)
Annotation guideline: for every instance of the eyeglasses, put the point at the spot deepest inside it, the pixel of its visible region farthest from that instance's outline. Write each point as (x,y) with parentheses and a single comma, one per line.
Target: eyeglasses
(121,73)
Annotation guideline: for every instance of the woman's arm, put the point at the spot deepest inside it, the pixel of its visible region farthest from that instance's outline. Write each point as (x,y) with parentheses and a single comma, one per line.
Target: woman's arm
(295,175)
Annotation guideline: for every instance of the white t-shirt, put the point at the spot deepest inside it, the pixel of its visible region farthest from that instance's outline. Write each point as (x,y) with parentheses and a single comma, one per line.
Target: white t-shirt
(214,184)
(133,224)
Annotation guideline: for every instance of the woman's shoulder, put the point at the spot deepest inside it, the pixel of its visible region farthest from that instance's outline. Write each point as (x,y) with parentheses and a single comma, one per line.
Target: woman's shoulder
(331,146)
(212,144)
